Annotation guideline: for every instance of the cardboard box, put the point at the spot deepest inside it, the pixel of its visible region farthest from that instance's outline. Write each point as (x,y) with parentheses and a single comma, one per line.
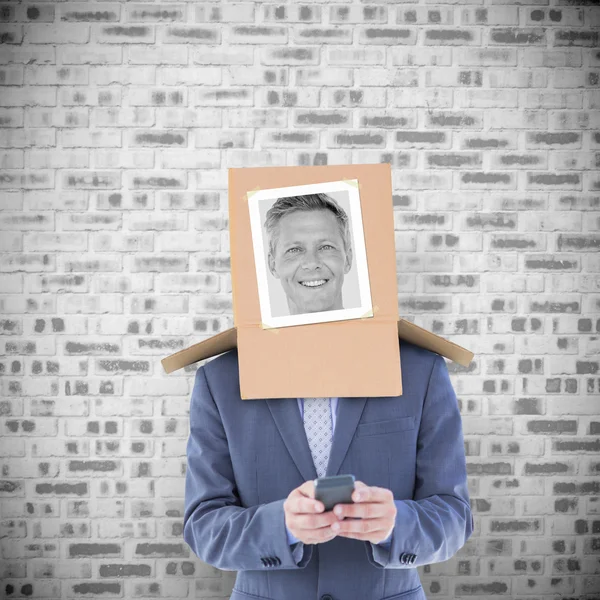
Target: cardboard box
(344,358)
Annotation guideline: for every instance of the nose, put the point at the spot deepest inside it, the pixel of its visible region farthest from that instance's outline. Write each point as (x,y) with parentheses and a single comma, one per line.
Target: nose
(310,260)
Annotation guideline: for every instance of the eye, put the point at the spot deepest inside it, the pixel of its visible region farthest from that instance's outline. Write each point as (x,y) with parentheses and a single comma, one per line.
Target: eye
(291,250)
(327,246)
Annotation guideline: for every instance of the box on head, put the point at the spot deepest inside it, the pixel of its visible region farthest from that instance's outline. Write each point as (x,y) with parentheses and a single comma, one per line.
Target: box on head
(313,267)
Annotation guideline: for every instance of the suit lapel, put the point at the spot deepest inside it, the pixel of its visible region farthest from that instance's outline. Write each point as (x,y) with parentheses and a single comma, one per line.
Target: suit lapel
(288,420)
(349,412)
(286,415)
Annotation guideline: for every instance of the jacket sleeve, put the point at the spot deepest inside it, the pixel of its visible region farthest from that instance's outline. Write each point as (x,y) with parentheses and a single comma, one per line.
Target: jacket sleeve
(220,531)
(296,544)
(438,521)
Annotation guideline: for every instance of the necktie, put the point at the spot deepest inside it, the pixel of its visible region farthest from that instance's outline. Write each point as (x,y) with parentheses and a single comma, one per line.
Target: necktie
(317,424)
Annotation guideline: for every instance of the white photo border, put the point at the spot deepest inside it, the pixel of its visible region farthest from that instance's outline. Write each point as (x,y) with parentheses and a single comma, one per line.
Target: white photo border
(359,254)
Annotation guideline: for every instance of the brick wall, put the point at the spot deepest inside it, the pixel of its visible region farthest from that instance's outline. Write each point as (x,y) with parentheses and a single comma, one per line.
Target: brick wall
(118,123)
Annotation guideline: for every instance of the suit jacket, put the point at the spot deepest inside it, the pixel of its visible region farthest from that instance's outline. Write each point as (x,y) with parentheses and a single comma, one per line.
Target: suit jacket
(297,546)
(246,456)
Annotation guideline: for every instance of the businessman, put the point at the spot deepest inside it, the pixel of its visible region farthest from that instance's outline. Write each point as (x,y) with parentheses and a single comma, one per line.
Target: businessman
(310,251)
(249,496)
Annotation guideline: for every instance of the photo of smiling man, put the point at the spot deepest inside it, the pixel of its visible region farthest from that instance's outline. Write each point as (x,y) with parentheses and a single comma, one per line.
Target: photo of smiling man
(314,256)
(309,251)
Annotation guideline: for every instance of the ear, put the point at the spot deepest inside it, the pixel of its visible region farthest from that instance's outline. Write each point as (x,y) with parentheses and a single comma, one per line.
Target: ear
(271,261)
(348,264)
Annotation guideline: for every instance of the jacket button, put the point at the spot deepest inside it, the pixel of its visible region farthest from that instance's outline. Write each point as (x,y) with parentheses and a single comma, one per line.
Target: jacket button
(326,597)
(413,557)
(277,560)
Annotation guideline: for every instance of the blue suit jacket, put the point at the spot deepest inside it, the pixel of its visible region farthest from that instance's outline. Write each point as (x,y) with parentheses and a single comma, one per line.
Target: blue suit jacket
(297,546)
(246,456)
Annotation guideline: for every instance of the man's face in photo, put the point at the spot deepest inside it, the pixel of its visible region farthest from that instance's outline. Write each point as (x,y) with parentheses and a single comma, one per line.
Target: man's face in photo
(310,260)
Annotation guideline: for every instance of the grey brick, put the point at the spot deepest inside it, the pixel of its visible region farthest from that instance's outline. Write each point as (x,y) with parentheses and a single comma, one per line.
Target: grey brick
(119,124)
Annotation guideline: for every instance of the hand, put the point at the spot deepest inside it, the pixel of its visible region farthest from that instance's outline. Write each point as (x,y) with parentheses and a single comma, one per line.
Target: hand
(305,518)
(376,512)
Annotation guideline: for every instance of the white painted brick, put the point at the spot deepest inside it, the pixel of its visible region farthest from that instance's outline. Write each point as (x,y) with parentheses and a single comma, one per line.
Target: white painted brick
(94,192)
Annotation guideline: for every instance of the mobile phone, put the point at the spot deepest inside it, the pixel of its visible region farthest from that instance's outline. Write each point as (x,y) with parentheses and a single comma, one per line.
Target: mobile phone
(336,489)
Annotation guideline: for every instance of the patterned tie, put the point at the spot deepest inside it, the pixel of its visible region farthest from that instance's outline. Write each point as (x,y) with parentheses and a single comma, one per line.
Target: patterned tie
(317,424)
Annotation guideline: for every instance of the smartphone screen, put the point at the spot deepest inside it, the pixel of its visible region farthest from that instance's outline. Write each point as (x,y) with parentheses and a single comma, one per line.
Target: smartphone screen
(336,489)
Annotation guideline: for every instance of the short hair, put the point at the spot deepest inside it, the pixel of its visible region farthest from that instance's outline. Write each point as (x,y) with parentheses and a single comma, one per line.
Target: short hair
(306,202)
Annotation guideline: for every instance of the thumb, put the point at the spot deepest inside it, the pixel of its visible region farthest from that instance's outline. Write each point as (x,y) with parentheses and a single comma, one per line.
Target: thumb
(307,489)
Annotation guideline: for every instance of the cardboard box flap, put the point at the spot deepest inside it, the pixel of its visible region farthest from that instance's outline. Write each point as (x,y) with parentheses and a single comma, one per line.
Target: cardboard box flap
(222,342)
(430,341)
(227,340)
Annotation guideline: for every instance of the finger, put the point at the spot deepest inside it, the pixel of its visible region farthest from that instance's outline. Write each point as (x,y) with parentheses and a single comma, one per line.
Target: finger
(309,522)
(321,538)
(307,489)
(362,510)
(368,526)
(372,494)
(327,537)
(315,536)
(356,536)
(305,505)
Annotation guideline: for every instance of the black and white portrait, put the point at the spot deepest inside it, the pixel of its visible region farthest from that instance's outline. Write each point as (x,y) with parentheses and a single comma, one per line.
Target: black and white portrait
(310,254)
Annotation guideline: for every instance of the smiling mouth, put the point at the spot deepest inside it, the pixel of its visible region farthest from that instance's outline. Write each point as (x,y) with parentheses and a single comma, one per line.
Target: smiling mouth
(315,283)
